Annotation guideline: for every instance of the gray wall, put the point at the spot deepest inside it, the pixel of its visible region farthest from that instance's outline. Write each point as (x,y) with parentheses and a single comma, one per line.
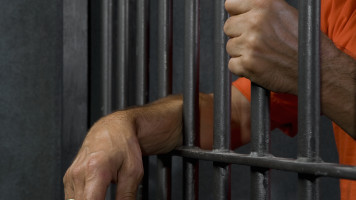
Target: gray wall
(43,94)
(30,99)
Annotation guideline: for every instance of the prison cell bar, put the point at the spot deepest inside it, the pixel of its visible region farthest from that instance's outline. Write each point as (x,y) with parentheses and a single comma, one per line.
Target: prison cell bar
(105,57)
(164,162)
(318,168)
(191,96)
(106,66)
(308,93)
(222,89)
(121,33)
(142,53)
(260,139)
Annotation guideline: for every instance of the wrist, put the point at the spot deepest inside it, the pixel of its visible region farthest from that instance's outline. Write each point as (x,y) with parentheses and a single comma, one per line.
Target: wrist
(111,131)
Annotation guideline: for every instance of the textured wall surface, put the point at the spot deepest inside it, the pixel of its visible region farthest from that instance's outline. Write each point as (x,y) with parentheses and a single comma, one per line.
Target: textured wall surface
(30,99)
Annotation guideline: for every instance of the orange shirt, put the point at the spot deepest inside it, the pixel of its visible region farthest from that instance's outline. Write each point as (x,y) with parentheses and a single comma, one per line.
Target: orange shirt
(338,22)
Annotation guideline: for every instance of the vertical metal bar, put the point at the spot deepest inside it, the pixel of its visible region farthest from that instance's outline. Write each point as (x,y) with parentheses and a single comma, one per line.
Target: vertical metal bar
(122,48)
(106,48)
(164,88)
(222,90)
(164,48)
(106,66)
(309,93)
(191,95)
(142,52)
(260,137)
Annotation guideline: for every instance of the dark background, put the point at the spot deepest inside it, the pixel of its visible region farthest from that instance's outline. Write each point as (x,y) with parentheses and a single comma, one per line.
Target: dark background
(49,96)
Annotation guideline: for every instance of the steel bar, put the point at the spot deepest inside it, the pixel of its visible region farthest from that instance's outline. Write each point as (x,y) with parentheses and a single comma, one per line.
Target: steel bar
(260,137)
(106,67)
(164,48)
(142,52)
(122,48)
(106,50)
(191,95)
(309,93)
(222,89)
(316,168)
(164,88)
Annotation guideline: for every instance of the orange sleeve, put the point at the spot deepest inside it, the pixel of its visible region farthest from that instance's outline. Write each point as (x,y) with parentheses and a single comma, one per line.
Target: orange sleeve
(283,107)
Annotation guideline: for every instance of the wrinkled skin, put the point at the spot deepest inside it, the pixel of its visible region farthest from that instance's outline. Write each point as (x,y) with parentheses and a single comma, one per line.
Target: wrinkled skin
(106,157)
(263,46)
(263,42)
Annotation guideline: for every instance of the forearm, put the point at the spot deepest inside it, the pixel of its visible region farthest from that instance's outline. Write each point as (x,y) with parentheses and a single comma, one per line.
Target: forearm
(158,125)
(112,150)
(338,86)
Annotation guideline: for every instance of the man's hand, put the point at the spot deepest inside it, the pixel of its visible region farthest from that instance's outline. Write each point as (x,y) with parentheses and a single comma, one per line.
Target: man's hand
(110,153)
(263,42)
(112,150)
(263,47)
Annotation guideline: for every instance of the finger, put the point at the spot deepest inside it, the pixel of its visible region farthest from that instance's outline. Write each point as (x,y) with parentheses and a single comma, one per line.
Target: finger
(68,188)
(235,66)
(98,176)
(95,187)
(127,185)
(79,183)
(129,178)
(236,7)
(235,25)
(234,48)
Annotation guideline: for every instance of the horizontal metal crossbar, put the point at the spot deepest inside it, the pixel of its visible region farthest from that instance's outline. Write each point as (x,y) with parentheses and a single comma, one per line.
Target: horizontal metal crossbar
(301,166)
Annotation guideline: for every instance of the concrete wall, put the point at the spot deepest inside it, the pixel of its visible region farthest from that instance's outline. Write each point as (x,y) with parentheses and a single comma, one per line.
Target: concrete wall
(30,99)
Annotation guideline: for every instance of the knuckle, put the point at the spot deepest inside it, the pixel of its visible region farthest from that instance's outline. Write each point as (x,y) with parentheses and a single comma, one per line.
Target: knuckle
(253,41)
(98,168)
(76,172)
(94,163)
(255,21)
(134,168)
(136,172)
(65,178)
